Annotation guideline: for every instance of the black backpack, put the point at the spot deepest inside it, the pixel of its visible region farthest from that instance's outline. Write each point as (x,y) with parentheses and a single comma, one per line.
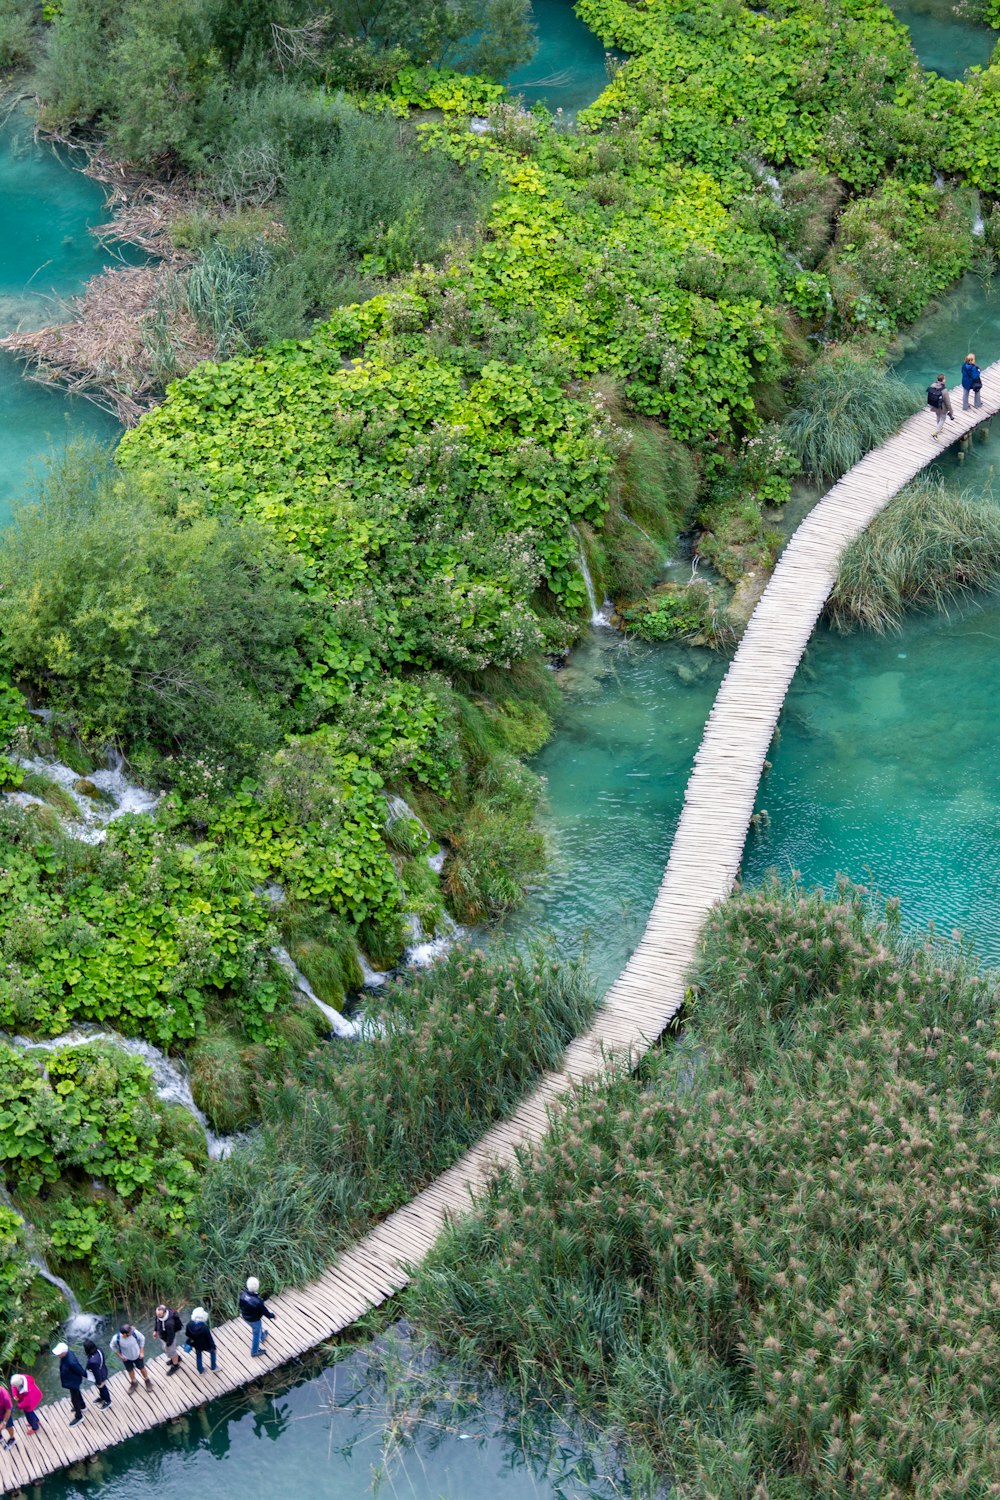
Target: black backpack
(935,395)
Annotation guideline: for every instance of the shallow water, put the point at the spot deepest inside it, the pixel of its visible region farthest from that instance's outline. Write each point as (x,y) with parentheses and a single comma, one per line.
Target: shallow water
(46,255)
(568,71)
(329,1434)
(615,776)
(944,42)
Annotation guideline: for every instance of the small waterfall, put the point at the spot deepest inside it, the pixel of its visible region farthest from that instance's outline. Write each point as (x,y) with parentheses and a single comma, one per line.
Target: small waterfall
(171,1083)
(598,616)
(79,1325)
(116,795)
(979,228)
(397,811)
(339,1025)
(422,951)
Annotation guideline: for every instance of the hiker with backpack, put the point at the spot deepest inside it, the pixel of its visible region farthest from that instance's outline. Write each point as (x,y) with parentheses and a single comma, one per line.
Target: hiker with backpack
(939,400)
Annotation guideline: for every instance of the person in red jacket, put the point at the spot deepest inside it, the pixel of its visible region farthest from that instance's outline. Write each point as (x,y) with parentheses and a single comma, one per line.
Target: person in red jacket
(7,1415)
(27,1398)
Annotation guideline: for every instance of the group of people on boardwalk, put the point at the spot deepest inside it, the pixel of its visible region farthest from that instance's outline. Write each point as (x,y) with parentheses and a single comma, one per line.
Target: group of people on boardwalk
(128,1344)
(939,397)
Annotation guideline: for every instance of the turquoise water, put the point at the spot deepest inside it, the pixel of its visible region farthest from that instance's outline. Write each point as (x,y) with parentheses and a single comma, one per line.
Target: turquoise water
(334,1433)
(887,764)
(944,42)
(568,71)
(46,256)
(631,720)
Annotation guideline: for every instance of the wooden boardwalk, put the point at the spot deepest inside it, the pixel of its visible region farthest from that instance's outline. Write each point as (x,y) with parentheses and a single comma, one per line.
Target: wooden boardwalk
(703,863)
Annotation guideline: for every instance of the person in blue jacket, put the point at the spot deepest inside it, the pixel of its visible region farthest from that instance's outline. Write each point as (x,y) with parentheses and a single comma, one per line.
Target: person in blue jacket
(253,1309)
(972,380)
(71,1375)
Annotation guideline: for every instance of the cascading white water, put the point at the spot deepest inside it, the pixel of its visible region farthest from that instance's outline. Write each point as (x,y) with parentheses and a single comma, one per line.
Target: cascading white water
(423,951)
(397,810)
(118,795)
(339,1025)
(169,1080)
(599,616)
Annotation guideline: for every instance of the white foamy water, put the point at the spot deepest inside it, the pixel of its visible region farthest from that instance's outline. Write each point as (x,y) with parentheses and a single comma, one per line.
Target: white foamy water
(118,795)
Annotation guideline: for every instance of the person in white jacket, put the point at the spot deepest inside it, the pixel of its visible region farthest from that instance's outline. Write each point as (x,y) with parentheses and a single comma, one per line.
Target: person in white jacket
(129,1345)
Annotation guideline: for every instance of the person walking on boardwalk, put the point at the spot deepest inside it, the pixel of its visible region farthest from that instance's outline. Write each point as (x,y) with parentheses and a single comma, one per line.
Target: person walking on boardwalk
(939,400)
(199,1338)
(7,1416)
(129,1344)
(253,1310)
(71,1378)
(27,1396)
(168,1325)
(972,382)
(97,1366)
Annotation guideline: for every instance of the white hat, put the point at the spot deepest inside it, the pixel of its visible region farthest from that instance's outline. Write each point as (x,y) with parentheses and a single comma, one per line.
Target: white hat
(199,1315)
(253,1285)
(60,1350)
(20,1383)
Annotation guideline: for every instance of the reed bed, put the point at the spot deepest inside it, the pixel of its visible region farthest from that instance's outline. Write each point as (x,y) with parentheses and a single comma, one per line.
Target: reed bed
(769,1263)
(844,408)
(928,546)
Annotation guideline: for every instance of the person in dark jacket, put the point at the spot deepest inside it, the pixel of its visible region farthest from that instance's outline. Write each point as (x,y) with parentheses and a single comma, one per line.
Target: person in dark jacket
(97,1366)
(199,1338)
(168,1325)
(939,401)
(71,1377)
(253,1310)
(972,381)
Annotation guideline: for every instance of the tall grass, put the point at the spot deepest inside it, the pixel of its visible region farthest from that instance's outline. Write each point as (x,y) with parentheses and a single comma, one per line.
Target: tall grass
(366,1126)
(770,1262)
(928,545)
(844,408)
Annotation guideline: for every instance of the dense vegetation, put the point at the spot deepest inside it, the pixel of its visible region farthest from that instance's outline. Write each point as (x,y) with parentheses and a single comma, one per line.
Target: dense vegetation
(324,573)
(765,1264)
(929,545)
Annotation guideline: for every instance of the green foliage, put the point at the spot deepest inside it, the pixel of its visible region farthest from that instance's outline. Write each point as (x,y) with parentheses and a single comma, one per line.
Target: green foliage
(364,1129)
(31,1307)
(927,546)
(844,407)
(90,1111)
(222,1084)
(700,1257)
(672,612)
(17,33)
(137,933)
(144,614)
(497,851)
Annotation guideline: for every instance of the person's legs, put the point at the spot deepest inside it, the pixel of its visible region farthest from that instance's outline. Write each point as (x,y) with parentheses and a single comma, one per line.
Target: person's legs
(965,398)
(255,1329)
(31,1417)
(10,1430)
(140,1364)
(940,414)
(198,1364)
(79,1406)
(979,396)
(213,1353)
(104,1394)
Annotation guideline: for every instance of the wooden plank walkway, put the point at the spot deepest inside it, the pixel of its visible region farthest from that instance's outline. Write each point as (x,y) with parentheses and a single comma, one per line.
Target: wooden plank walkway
(704,859)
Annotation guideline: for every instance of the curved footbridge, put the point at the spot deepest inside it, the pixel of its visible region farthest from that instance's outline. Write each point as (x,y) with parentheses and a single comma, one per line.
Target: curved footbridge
(704,860)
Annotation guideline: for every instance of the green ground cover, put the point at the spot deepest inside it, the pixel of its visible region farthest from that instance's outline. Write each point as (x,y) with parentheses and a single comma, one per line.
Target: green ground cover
(325,572)
(766,1263)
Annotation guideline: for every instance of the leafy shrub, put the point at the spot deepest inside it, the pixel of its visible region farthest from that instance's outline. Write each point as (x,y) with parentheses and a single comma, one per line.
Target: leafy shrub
(928,545)
(673,611)
(17,33)
(144,616)
(844,408)
(701,1256)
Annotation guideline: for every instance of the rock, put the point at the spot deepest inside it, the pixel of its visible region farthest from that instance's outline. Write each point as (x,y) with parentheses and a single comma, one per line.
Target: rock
(746,597)
(86,788)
